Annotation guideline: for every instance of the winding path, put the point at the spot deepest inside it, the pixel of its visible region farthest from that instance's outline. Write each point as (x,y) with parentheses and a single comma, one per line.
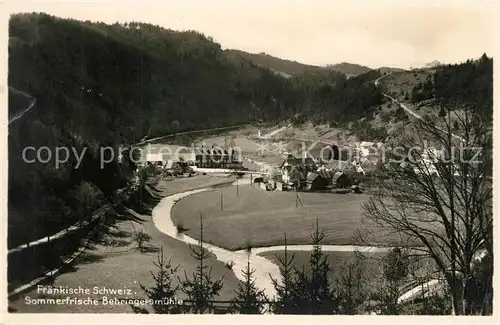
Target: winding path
(264,268)
(410,111)
(30,106)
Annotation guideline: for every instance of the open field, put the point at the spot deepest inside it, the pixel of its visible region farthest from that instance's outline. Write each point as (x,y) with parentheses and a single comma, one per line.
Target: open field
(371,265)
(260,218)
(338,261)
(114,262)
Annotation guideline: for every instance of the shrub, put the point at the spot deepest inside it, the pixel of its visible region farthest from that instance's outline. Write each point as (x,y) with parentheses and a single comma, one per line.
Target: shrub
(385,117)
(163,288)
(140,238)
(249,299)
(314,292)
(87,199)
(201,288)
(229,265)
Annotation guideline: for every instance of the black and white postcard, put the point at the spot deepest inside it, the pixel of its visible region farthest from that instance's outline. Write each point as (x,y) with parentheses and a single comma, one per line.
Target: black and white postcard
(248,158)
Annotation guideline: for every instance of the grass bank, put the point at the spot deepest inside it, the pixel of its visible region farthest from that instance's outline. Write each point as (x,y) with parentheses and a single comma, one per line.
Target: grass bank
(113,262)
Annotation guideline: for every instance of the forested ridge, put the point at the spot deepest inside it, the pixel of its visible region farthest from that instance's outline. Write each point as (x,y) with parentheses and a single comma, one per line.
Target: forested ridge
(291,68)
(469,83)
(88,85)
(98,85)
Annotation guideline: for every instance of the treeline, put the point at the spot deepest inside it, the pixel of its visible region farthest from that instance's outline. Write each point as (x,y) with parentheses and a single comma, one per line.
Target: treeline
(288,67)
(99,85)
(96,86)
(468,83)
(306,289)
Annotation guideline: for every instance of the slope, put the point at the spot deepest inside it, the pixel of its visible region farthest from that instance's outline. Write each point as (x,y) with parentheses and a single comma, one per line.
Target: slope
(287,67)
(349,69)
(99,85)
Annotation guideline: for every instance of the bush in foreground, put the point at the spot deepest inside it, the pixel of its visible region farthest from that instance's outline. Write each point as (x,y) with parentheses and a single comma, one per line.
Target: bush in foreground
(163,288)
(249,299)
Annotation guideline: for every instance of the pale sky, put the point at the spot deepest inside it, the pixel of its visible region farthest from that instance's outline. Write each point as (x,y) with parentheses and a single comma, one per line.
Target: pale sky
(370,32)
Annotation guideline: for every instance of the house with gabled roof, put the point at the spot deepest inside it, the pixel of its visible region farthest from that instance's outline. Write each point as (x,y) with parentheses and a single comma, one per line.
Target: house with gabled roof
(295,170)
(341,180)
(316,182)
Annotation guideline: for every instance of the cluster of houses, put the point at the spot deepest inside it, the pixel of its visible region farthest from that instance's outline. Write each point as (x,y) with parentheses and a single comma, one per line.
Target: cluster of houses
(325,169)
(304,174)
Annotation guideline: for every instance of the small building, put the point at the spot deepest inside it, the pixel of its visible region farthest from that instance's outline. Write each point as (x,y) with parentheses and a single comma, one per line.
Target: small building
(292,168)
(173,167)
(341,180)
(356,189)
(326,173)
(165,152)
(366,148)
(258,179)
(270,186)
(366,144)
(154,158)
(216,157)
(314,182)
(286,172)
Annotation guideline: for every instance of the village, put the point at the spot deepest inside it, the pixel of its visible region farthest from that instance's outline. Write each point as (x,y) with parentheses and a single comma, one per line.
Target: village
(249,159)
(321,167)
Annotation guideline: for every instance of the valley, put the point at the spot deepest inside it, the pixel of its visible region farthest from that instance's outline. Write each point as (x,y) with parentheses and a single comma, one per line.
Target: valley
(230,160)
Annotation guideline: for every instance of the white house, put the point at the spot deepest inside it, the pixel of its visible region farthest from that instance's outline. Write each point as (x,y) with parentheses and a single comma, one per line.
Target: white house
(154,157)
(366,144)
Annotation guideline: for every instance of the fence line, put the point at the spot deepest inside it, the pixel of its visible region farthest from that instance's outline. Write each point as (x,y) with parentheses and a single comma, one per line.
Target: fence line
(99,216)
(55,271)
(66,231)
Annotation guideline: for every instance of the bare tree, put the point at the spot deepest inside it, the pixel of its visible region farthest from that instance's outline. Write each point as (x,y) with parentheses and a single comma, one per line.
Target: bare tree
(140,238)
(395,271)
(440,201)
